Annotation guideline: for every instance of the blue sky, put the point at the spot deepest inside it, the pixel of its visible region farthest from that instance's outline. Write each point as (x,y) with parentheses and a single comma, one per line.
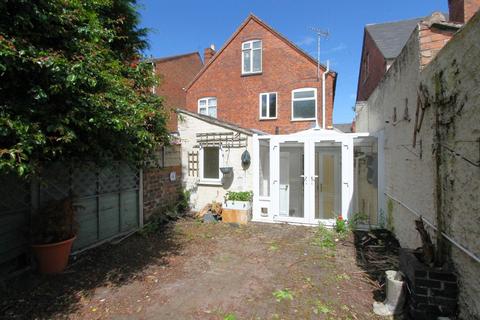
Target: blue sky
(181,26)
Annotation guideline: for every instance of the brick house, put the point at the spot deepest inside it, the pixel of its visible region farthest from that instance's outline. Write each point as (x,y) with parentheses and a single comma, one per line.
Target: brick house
(260,80)
(260,95)
(382,43)
(162,179)
(175,74)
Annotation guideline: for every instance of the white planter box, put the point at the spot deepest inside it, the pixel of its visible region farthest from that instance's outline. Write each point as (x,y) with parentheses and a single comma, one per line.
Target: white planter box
(238,205)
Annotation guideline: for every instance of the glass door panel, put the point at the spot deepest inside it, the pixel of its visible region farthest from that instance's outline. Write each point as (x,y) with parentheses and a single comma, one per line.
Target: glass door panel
(328,180)
(365,197)
(292,177)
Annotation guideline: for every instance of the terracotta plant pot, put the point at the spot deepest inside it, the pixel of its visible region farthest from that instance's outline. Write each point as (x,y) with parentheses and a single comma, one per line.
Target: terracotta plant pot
(53,258)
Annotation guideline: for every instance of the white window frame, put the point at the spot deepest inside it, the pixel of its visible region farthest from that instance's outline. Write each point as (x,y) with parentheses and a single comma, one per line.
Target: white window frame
(251,56)
(206,105)
(305,99)
(210,181)
(268,105)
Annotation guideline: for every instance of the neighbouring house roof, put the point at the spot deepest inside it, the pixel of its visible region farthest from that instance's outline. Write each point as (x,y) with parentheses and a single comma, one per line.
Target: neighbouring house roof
(178,56)
(391,37)
(270,29)
(343,127)
(221,123)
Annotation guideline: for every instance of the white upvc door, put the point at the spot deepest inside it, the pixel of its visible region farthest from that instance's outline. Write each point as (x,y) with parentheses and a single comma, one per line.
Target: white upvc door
(312,179)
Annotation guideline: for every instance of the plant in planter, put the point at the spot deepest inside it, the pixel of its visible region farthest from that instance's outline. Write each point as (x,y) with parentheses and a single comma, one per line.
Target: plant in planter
(237,206)
(53,232)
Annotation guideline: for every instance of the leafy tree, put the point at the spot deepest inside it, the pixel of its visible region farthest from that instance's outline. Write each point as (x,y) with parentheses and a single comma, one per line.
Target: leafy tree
(73,86)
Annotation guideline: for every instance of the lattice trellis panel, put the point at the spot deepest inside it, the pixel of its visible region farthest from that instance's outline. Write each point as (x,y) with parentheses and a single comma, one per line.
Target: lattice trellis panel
(129,177)
(225,139)
(14,195)
(193,164)
(108,200)
(84,180)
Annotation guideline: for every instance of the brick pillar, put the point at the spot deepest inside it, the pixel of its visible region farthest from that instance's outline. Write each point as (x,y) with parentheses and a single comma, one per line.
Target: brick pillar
(460,11)
(208,54)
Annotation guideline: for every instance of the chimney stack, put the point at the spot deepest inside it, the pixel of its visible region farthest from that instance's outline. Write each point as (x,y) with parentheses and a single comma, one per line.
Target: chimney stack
(208,54)
(460,11)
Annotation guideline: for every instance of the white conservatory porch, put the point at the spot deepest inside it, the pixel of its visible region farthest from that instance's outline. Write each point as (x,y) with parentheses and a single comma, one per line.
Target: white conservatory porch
(316,175)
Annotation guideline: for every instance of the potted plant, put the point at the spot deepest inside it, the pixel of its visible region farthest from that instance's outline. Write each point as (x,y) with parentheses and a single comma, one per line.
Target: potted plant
(238,206)
(53,232)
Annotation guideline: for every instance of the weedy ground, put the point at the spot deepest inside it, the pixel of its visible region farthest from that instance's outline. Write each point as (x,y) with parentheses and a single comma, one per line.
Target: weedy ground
(192,270)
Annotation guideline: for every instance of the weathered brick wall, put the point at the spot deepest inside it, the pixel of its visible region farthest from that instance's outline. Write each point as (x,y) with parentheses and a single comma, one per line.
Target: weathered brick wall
(432,40)
(377,68)
(462,10)
(450,84)
(284,70)
(448,88)
(391,109)
(175,74)
(159,192)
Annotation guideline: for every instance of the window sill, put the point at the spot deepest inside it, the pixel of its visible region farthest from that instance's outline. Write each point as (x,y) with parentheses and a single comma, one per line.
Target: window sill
(299,120)
(251,74)
(216,183)
(266,119)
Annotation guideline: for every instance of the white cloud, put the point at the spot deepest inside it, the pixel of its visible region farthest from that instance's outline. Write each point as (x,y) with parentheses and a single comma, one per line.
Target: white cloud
(306,41)
(342,46)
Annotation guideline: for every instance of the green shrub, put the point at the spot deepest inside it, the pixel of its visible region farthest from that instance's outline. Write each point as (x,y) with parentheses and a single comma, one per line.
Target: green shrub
(340,225)
(239,196)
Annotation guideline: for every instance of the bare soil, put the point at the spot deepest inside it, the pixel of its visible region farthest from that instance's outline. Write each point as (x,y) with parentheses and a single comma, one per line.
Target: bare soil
(192,270)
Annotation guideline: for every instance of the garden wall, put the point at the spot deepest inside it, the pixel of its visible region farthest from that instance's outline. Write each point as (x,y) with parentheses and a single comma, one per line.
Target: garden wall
(450,89)
(162,182)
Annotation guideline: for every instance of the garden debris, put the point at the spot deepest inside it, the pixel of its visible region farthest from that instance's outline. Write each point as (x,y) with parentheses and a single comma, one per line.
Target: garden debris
(377,252)
(214,208)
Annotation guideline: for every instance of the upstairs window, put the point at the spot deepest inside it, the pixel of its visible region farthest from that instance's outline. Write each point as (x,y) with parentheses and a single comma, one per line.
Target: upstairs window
(252,57)
(304,104)
(268,105)
(208,106)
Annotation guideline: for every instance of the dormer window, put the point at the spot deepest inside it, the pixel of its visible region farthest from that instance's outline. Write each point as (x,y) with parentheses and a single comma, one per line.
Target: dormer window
(252,57)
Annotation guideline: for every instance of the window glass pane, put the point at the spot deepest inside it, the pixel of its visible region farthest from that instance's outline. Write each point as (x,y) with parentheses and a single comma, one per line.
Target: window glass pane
(257,60)
(264,168)
(246,45)
(210,163)
(212,112)
(264,105)
(304,94)
(304,109)
(203,110)
(246,61)
(257,44)
(273,105)
(212,102)
(202,102)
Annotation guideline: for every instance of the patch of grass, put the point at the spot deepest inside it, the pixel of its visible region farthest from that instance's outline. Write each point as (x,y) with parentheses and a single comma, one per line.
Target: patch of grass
(324,238)
(284,294)
(341,277)
(322,308)
(273,247)
(230,316)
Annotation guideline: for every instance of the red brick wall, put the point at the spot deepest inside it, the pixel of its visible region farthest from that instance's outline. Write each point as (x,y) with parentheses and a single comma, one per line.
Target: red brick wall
(158,191)
(175,74)
(376,70)
(462,10)
(284,70)
(432,40)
